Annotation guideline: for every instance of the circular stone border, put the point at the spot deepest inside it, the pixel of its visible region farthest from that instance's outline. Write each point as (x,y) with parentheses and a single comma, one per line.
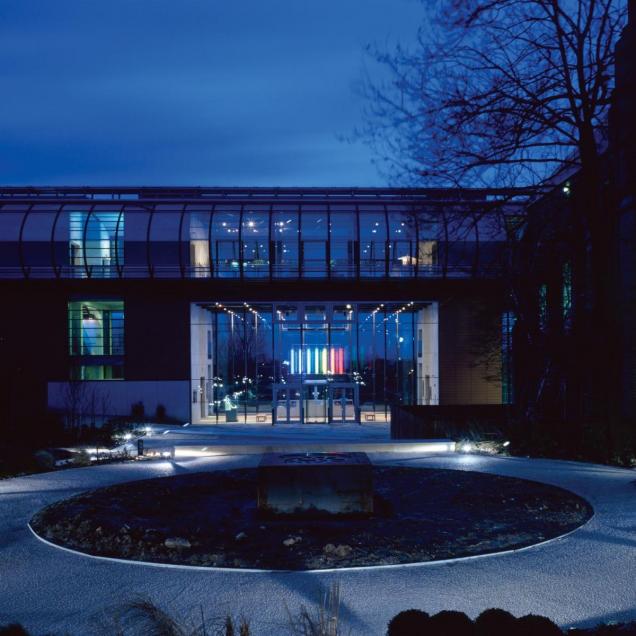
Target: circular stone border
(576,505)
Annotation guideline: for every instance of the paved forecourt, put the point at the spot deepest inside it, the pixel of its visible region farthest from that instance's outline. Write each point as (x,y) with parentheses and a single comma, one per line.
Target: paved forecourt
(583,578)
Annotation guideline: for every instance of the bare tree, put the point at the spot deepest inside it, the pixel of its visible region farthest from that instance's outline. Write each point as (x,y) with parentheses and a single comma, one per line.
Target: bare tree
(513,93)
(498,92)
(76,399)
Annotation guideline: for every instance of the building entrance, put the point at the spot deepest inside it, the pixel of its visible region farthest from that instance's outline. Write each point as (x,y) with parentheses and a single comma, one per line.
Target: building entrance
(311,362)
(316,401)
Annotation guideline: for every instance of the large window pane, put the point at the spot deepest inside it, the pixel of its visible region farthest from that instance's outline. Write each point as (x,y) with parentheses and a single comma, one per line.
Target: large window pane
(36,241)
(373,243)
(195,241)
(225,243)
(136,242)
(96,339)
(402,233)
(315,232)
(11,217)
(285,236)
(343,242)
(255,237)
(166,260)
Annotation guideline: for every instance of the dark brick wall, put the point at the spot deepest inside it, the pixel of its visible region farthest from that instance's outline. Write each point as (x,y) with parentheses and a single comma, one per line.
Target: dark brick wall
(157,329)
(469,351)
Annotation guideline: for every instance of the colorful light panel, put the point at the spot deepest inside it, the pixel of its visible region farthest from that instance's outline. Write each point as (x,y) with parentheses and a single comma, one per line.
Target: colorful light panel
(317,360)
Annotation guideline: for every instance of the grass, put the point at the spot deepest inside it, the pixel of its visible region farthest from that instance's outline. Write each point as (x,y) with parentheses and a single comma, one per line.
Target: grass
(142,617)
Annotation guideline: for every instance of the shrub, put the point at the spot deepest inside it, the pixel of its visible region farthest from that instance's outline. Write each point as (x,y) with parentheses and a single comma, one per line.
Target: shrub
(160,413)
(495,622)
(533,625)
(82,459)
(410,622)
(138,412)
(13,630)
(448,623)
(44,460)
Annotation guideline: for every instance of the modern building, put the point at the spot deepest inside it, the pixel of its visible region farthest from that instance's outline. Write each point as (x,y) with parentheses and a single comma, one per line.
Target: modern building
(252,305)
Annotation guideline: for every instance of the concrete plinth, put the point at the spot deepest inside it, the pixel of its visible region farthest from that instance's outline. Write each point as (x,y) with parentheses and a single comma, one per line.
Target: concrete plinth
(329,483)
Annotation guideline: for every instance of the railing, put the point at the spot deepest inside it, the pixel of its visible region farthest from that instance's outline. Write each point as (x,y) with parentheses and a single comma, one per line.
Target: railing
(251,272)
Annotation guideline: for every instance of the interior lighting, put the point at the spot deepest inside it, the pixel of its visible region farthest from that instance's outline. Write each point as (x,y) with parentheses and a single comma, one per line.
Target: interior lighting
(317,361)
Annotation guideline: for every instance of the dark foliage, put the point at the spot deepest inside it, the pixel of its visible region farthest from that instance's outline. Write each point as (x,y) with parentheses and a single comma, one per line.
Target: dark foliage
(495,622)
(450,623)
(138,412)
(409,623)
(533,625)
(13,629)
(160,413)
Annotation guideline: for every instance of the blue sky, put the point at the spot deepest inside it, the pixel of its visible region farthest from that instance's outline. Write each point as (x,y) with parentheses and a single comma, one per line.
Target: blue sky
(189,92)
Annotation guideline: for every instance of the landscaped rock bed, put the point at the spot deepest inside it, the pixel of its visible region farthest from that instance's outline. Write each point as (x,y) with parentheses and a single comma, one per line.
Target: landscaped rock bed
(210,519)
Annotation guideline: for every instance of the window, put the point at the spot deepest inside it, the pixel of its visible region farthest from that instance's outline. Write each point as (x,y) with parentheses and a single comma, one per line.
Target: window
(427,254)
(96,339)
(543,306)
(98,372)
(566,296)
(96,242)
(507,325)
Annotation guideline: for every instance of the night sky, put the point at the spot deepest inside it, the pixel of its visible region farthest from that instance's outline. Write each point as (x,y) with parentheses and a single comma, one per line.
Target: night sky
(189,92)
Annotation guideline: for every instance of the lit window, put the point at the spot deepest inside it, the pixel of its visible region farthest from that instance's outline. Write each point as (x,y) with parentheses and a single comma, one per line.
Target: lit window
(507,325)
(543,306)
(96,242)
(566,299)
(96,330)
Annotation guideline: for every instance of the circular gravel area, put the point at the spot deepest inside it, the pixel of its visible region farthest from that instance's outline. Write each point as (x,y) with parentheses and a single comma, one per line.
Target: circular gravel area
(210,519)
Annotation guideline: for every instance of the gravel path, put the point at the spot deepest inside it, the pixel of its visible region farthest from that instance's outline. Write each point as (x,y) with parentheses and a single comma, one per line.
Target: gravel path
(586,577)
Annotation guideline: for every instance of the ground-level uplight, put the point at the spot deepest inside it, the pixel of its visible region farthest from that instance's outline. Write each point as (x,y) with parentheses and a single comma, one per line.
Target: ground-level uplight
(466,447)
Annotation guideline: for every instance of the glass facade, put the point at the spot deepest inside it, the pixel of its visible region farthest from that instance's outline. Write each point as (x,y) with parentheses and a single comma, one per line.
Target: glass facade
(311,362)
(96,339)
(543,306)
(249,234)
(566,296)
(507,384)
(267,361)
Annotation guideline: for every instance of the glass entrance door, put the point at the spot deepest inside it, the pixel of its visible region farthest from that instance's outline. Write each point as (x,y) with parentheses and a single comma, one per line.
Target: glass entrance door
(287,405)
(316,403)
(344,404)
